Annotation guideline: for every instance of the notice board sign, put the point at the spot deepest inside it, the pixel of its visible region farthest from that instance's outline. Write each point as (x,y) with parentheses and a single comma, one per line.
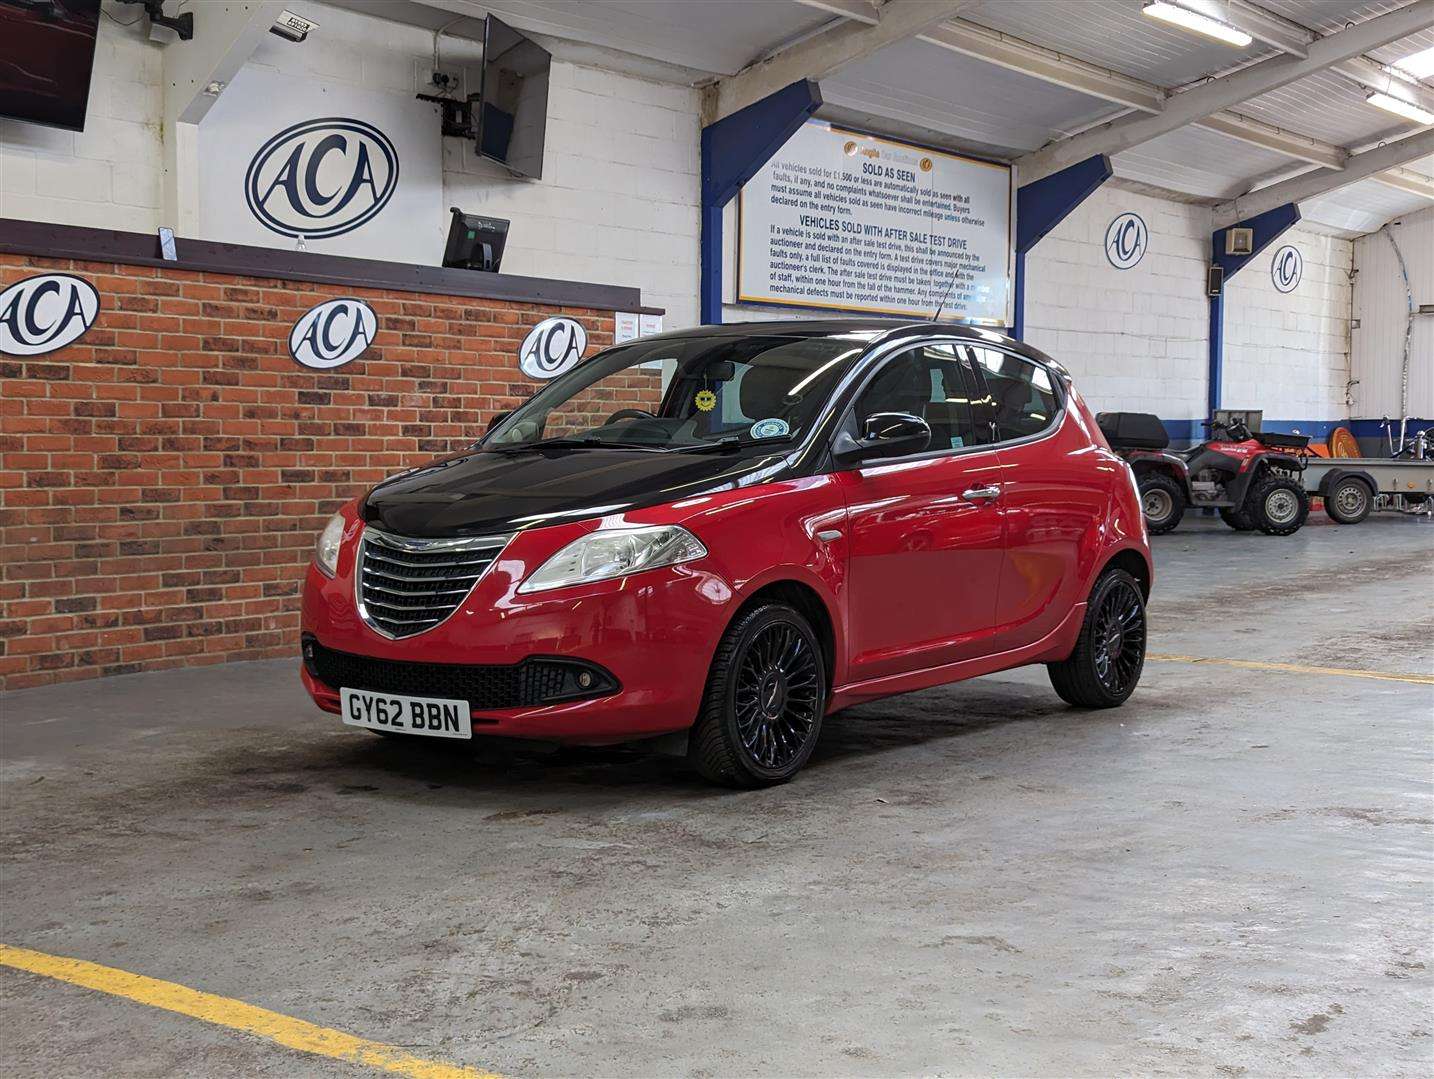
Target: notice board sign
(852,222)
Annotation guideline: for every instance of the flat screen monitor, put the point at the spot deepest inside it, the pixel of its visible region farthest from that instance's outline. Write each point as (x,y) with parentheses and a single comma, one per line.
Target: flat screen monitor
(474,242)
(47,51)
(513,106)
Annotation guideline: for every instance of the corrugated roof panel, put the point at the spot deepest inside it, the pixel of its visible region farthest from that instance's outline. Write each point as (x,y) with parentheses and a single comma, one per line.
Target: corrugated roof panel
(1115,35)
(1325,106)
(1198,162)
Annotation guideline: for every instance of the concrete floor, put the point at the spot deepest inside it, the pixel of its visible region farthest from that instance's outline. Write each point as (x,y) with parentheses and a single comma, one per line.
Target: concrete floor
(1230,875)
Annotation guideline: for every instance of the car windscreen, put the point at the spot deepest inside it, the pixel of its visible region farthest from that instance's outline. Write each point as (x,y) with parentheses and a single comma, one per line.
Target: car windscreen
(673,393)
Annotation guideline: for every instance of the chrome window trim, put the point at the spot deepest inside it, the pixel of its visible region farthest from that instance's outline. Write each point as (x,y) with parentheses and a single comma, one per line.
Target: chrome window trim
(380,538)
(867,368)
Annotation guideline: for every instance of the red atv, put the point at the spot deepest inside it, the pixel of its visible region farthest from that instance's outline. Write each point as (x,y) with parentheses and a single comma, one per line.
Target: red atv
(1252,479)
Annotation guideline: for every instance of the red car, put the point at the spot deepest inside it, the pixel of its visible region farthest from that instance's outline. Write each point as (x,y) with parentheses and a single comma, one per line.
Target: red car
(734,531)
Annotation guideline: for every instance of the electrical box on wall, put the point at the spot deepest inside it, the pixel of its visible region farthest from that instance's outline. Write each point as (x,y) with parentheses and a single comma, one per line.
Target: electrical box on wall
(1239,241)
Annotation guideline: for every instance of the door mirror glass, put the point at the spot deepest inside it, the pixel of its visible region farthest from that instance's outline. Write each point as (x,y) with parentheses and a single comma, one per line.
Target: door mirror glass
(884,434)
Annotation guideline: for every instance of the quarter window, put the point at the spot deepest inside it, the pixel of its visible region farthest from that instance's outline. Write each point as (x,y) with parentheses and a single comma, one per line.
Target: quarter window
(1021,399)
(929,382)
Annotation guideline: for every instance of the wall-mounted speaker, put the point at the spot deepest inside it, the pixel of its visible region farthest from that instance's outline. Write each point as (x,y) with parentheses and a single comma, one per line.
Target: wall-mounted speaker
(1215,281)
(1239,241)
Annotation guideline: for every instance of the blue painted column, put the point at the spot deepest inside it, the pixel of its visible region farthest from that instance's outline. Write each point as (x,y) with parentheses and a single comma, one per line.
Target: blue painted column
(1268,228)
(1042,205)
(733,149)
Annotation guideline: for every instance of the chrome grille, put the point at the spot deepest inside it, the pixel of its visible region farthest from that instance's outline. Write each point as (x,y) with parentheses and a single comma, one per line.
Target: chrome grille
(408,585)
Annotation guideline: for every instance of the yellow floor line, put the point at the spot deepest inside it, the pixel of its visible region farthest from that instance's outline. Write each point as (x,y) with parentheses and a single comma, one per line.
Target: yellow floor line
(1295,668)
(235,1015)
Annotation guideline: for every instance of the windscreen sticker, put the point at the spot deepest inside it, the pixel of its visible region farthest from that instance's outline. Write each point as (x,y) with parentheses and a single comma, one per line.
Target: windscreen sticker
(770,428)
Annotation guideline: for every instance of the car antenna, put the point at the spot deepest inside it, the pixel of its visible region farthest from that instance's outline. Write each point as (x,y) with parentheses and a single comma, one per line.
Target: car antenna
(945,296)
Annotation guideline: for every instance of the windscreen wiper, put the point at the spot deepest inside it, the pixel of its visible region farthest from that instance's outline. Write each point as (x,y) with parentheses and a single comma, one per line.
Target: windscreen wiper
(727,443)
(571,443)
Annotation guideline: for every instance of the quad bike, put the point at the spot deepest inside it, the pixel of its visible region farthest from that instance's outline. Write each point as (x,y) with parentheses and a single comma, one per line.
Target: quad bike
(1253,480)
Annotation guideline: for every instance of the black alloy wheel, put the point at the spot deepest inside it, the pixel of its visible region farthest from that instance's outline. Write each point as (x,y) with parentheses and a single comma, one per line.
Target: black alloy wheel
(765,698)
(1109,656)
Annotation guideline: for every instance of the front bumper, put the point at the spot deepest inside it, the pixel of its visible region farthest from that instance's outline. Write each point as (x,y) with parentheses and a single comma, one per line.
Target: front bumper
(653,634)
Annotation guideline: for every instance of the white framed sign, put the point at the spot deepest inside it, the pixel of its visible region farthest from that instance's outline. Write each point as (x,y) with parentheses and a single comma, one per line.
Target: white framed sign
(333,333)
(852,222)
(1286,268)
(45,313)
(346,171)
(1126,239)
(552,346)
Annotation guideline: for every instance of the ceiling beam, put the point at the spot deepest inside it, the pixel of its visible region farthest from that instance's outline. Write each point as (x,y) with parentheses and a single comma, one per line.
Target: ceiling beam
(1269,137)
(1047,65)
(1407,180)
(1211,97)
(1365,72)
(1301,188)
(825,53)
(1292,38)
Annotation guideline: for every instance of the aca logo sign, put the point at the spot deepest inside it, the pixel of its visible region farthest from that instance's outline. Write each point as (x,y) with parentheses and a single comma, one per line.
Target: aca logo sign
(1125,241)
(45,313)
(1287,268)
(552,346)
(333,333)
(321,178)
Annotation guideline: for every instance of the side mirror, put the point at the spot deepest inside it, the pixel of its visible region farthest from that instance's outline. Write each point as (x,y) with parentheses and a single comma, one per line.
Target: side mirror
(884,434)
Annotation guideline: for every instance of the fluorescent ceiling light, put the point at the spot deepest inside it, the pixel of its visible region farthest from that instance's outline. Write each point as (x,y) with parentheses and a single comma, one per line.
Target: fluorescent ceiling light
(1400,107)
(1420,64)
(1186,19)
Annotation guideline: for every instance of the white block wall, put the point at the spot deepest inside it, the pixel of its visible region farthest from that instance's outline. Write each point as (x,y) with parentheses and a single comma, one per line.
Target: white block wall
(1288,354)
(1381,303)
(620,194)
(1135,339)
(617,204)
(107,176)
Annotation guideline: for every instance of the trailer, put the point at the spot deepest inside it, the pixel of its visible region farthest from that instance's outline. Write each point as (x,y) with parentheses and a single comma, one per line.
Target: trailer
(1354,486)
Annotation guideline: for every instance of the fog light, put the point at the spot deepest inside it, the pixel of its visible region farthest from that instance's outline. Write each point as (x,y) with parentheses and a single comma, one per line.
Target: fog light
(585,680)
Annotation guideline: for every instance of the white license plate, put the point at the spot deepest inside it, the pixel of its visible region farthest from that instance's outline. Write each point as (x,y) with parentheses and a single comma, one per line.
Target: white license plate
(433,716)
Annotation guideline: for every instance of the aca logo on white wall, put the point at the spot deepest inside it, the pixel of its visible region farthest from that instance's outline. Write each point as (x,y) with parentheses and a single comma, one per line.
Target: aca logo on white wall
(44,313)
(552,346)
(332,334)
(1126,239)
(1287,268)
(321,178)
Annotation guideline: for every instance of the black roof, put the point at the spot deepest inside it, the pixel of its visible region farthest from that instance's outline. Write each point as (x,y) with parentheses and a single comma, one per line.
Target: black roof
(888,329)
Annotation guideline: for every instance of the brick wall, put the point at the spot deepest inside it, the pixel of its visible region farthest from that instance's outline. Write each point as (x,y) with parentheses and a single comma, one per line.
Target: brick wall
(162,480)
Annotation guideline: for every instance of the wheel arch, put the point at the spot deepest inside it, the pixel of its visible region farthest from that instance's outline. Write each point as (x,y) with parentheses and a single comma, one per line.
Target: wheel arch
(804,598)
(1134,563)
(1335,475)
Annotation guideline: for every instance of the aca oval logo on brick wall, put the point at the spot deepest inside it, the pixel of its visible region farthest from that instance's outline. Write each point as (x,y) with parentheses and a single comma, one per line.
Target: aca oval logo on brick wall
(552,346)
(332,334)
(1287,267)
(47,312)
(321,178)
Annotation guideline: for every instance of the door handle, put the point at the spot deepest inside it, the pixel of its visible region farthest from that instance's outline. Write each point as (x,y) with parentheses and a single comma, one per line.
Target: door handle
(982,494)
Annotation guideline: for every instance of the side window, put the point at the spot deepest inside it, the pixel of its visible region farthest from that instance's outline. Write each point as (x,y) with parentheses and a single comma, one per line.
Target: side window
(928,382)
(1021,398)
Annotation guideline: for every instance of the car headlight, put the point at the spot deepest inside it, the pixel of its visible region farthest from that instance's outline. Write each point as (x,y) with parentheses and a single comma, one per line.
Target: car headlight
(605,554)
(326,551)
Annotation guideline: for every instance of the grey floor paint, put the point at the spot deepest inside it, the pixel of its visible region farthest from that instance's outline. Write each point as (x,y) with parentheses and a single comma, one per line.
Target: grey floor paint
(1231,875)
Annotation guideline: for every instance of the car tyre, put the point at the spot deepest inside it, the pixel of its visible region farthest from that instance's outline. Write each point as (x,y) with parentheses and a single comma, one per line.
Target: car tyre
(1109,655)
(766,694)
(1162,501)
(1238,518)
(1279,505)
(1349,500)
